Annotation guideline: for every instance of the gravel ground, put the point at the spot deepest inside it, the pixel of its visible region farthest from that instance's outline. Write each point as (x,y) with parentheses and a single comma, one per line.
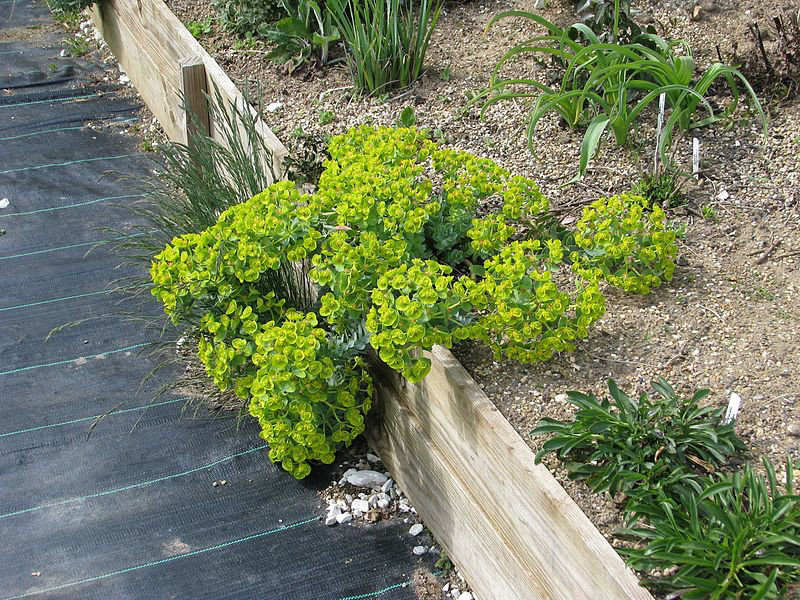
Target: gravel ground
(730,319)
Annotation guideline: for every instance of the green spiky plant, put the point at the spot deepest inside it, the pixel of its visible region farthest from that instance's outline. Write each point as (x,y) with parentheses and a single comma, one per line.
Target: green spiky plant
(387,40)
(607,85)
(722,538)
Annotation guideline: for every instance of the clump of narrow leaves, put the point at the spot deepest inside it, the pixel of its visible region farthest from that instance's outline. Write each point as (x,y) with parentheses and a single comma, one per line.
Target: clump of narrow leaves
(730,537)
(620,443)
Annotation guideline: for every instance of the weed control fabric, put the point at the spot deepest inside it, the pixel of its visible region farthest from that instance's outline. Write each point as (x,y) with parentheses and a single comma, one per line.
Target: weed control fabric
(104,492)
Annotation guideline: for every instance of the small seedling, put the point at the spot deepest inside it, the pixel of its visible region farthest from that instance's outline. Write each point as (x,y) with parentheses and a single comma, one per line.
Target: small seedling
(147,146)
(445,74)
(326,117)
(199,28)
(78,47)
(407,117)
(662,188)
(708,212)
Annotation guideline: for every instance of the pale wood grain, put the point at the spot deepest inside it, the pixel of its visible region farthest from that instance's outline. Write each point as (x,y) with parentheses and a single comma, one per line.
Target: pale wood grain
(195,97)
(473,479)
(150,42)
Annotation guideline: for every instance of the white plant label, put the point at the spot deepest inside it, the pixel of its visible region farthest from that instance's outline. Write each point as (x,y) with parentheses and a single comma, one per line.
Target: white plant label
(662,102)
(696,157)
(733,408)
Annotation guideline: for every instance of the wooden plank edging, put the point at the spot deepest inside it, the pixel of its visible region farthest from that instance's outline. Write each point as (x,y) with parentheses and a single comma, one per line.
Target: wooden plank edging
(509,526)
(150,43)
(506,523)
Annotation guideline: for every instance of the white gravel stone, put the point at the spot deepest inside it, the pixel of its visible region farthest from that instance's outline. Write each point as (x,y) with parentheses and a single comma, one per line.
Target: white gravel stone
(387,486)
(360,505)
(383,503)
(419,550)
(373,458)
(367,479)
(465,596)
(416,529)
(64,53)
(344,518)
(3,202)
(403,507)
(274,106)
(330,521)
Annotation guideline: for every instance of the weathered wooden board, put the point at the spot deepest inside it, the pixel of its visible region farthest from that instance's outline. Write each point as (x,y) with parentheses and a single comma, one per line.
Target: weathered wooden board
(150,43)
(508,525)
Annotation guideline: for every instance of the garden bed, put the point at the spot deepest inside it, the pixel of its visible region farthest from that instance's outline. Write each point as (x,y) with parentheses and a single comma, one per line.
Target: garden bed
(729,319)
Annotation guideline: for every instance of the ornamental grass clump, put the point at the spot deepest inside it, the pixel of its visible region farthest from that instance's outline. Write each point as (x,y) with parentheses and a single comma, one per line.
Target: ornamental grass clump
(393,254)
(386,40)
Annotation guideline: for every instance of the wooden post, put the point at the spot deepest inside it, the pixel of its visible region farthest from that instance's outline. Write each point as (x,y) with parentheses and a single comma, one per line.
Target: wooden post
(194,89)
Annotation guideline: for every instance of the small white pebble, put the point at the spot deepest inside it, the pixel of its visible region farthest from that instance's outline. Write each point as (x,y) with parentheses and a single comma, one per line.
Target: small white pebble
(419,550)
(416,529)
(373,458)
(344,518)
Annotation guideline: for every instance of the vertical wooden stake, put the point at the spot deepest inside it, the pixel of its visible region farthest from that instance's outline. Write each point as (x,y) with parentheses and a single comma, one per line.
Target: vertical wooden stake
(661,107)
(696,158)
(195,102)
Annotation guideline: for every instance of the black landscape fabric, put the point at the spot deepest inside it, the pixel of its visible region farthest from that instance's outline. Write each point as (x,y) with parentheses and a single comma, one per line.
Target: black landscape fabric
(123,506)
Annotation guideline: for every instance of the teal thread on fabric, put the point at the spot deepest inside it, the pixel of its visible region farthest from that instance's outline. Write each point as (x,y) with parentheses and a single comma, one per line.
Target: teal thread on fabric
(377,593)
(69,360)
(61,299)
(95,95)
(132,486)
(63,206)
(155,563)
(24,135)
(65,164)
(93,417)
(82,244)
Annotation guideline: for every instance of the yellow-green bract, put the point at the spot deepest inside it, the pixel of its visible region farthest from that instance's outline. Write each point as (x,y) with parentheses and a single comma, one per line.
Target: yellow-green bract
(401,259)
(626,242)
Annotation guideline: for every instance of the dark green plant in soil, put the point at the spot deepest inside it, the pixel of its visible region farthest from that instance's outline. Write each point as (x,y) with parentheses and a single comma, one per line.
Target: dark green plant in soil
(618,444)
(605,86)
(69,6)
(662,188)
(729,537)
(386,40)
(605,17)
(245,18)
(307,31)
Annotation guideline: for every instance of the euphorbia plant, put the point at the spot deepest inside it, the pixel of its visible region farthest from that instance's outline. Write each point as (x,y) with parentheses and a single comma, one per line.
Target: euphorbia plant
(400,261)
